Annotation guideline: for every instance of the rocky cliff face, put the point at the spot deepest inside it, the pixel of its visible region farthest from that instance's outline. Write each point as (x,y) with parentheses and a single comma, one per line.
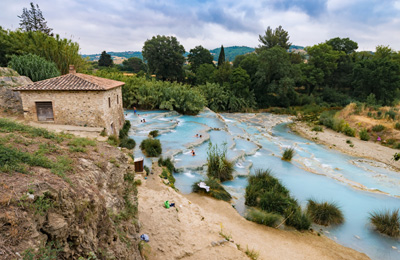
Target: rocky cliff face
(84,207)
(9,99)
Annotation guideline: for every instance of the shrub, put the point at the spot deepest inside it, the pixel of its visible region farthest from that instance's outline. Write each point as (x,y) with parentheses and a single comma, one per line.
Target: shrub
(103,132)
(297,218)
(216,189)
(378,128)
(252,254)
(123,133)
(151,147)
(218,166)
(154,133)
(386,222)
(324,213)
(267,193)
(347,130)
(113,140)
(33,66)
(317,128)
(128,143)
(397,126)
(146,169)
(364,135)
(288,154)
(391,114)
(169,176)
(167,163)
(262,217)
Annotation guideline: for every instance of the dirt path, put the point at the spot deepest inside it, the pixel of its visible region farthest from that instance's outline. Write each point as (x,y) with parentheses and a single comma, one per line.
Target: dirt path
(188,230)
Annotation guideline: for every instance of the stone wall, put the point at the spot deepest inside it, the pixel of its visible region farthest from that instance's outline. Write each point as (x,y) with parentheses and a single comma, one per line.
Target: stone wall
(81,108)
(11,100)
(115,113)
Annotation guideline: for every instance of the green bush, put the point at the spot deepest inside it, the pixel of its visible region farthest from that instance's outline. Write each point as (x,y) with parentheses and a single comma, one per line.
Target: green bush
(113,140)
(128,143)
(218,166)
(364,134)
(123,133)
(166,174)
(391,114)
(34,67)
(167,163)
(386,222)
(267,193)
(317,128)
(378,128)
(216,189)
(347,130)
(397,126)
(288,154)
(324,213)
(264,218)
(154,133)
(151,147)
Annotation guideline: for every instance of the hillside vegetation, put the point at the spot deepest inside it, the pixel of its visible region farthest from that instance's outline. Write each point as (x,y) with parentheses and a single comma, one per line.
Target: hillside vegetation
(63,197)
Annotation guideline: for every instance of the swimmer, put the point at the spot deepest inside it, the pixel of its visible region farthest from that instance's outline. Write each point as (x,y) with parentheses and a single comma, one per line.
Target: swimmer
(197,135)
(193,153)
(144,120)
(200,136)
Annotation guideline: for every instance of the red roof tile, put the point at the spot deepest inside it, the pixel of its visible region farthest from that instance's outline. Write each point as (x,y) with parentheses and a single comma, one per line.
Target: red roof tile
(73,81)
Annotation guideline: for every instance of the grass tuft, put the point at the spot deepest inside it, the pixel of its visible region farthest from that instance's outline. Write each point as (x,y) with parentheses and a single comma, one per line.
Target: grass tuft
(324,213)
(288,154)
(216,189)
(263,217)
(386,222)
(218,165)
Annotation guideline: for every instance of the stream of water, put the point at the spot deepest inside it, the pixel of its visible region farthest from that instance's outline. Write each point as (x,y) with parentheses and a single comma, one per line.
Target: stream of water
(256,141)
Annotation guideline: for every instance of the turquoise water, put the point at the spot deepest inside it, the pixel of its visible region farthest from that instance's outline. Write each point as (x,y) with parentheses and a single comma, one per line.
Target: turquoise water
(315,171)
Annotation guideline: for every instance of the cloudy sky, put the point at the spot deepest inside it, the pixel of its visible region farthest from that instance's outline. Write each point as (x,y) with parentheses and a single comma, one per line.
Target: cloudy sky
(124,25)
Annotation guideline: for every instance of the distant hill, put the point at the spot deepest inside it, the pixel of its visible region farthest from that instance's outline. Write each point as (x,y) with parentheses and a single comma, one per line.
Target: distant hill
(125,54)
(230,53)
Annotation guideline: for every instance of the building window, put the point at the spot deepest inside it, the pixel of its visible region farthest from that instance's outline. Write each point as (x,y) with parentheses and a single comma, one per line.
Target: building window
(109,102)
(117,99)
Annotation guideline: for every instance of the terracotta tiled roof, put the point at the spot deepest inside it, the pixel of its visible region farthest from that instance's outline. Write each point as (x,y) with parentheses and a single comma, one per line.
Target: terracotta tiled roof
(73,81)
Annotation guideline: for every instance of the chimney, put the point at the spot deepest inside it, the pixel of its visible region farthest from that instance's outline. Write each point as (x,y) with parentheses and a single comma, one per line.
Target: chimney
(72,69)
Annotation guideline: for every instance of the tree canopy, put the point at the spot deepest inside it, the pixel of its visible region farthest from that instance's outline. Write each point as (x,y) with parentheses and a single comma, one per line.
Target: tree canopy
(221,58)
(164,56)
(199,56)
(105,60)
(134,64)
(32,20)
(278,37)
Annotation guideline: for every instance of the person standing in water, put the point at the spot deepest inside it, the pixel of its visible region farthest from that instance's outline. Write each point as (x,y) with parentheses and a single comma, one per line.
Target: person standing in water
(134,110)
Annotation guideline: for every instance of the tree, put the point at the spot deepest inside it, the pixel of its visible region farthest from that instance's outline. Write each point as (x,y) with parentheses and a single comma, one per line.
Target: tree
(105,60)
(343,44)
(199,56)
(278,37)
(62,52)
(322,63)
(240,86)
(164,56)
(379,76)
(275,78)
(223,73)
(34,67)
(221,58)
(32,20)
(134,64)
(205,73)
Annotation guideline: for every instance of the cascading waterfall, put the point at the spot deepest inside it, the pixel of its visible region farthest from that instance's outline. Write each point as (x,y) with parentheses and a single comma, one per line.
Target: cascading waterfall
(256,141)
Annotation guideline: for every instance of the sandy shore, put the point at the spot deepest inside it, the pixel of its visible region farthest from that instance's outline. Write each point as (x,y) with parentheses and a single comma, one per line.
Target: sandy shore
(188,230)
(334,140)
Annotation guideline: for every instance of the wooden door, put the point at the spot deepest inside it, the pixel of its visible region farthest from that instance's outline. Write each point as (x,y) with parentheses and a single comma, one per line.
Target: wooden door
(44,111)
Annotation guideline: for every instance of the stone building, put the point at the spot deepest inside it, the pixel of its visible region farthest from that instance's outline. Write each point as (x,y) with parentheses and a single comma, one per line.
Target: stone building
(75,99)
